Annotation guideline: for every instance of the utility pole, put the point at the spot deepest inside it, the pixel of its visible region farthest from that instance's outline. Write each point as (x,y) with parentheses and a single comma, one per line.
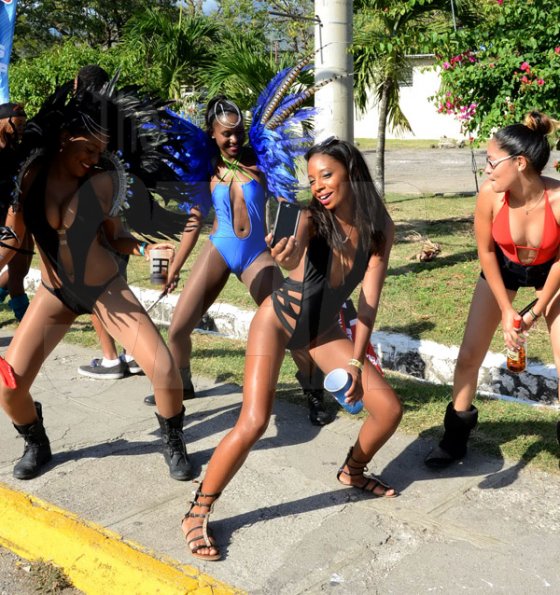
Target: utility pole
(333,37)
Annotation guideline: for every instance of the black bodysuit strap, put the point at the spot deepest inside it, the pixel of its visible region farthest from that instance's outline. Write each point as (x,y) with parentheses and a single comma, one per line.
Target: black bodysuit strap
(283,303)
(309,308)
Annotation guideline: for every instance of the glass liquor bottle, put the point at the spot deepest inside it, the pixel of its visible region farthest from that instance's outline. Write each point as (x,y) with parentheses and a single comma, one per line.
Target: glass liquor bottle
(517,359)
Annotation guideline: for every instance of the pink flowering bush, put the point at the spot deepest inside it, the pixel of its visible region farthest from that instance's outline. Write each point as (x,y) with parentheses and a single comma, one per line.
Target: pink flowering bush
(509,64)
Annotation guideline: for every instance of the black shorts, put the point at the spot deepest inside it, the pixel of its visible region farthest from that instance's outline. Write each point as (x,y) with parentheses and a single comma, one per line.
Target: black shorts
(517,275)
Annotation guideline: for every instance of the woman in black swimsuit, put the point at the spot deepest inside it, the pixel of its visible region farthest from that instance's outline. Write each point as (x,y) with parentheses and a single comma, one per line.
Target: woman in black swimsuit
(66,202)
(345,239)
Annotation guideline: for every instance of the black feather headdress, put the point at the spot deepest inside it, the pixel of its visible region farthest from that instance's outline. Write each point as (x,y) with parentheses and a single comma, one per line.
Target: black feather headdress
(129,122)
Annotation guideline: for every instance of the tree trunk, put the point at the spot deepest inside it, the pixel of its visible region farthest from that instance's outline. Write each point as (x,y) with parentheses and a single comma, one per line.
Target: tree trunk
(379,176)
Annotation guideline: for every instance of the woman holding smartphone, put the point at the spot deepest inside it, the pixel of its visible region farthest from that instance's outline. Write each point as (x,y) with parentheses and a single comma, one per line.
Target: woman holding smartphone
(344,239)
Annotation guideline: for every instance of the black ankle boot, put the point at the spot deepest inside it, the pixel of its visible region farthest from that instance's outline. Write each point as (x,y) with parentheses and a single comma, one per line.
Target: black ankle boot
(37,451)
(174,449)
(318,414)
(453,446)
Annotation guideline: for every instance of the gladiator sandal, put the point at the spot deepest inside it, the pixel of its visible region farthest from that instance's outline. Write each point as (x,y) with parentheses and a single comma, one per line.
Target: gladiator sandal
(453,446)
(370,484)
(204,534)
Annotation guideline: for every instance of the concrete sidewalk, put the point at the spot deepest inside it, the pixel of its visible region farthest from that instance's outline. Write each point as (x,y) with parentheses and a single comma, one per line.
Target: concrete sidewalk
(110,516)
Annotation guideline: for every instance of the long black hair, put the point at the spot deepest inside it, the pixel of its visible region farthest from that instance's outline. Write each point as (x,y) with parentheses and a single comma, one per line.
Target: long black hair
(369,210)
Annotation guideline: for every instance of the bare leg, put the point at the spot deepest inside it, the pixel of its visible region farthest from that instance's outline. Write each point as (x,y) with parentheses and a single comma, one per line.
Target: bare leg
(261,279)
(483,319)
(41,329)
(382,404)
(206,280)
(461,415)
(106,342)
(126,321)
(265,352)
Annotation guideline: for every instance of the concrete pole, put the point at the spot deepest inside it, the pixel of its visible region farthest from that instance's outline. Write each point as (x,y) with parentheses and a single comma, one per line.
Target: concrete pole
(333,36)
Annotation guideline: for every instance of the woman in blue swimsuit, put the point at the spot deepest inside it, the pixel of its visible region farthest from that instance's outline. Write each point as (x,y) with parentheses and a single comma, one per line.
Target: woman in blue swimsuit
(237,245)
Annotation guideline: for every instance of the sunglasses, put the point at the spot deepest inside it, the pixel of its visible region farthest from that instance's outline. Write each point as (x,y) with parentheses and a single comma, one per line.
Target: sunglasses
(493,163)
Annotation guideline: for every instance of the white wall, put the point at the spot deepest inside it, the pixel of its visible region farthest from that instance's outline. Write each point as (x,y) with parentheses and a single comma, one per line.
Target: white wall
(416,106)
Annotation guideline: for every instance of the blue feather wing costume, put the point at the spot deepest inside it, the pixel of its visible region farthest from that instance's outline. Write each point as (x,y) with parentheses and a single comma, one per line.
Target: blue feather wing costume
(279,133)
(191,154)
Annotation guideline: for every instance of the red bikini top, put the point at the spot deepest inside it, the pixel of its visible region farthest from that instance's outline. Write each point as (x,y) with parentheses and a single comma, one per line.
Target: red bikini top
(548,248)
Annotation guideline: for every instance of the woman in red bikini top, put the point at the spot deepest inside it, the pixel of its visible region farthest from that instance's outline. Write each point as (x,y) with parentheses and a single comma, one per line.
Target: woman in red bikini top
(517,228)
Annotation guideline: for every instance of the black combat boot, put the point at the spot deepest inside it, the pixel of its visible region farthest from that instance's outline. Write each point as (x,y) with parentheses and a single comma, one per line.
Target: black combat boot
(318,414)
(453,446)
(174,449)
(37,451)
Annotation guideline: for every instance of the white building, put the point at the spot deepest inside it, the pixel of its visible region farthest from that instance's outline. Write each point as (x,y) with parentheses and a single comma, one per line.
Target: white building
(421,112)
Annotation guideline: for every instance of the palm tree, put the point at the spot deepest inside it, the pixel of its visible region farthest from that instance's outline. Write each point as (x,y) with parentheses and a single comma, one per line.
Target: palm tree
(243,68)
(182,49)
(385,34)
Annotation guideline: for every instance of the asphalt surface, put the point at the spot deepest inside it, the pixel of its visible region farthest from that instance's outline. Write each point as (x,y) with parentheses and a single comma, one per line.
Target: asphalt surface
(284,523)
(438,171)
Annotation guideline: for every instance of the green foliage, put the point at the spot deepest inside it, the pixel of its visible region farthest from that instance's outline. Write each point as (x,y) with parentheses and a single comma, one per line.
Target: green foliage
(509,64)
(241,72)
(179,50)
(40,25)
(33,79)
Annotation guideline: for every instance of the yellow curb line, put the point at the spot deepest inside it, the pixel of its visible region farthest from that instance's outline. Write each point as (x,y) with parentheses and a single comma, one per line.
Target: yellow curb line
(96,560)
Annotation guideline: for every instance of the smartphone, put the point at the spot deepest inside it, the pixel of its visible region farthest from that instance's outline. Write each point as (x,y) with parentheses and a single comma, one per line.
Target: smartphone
(287,220)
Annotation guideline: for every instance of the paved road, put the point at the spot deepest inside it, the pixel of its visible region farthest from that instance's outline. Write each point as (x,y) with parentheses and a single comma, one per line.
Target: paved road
(436,170)
(285,525)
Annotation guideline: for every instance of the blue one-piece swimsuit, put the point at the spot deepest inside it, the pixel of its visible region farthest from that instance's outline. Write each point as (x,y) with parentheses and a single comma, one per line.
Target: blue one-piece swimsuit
(239,253)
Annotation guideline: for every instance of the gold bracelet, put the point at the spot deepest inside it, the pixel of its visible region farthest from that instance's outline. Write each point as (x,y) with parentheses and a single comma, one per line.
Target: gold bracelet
(532,313)
(356,363)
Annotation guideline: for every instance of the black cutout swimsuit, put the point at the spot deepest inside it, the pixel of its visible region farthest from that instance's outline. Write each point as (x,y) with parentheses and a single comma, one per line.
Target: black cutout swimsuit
(319,303)
(75,295)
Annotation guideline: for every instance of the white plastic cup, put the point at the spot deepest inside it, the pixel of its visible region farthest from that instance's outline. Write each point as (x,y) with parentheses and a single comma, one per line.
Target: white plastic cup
(337,382)
(159,265)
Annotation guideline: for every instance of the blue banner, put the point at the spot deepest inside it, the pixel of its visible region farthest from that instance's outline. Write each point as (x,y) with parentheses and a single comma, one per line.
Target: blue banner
(7,23)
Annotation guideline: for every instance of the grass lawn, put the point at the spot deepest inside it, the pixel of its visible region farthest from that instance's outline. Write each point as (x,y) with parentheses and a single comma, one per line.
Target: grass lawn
(424,300)
(370,144)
